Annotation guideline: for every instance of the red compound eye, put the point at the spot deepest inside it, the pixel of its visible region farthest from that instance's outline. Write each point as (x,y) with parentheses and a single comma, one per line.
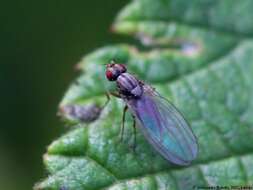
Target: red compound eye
(114,70)
(109,75)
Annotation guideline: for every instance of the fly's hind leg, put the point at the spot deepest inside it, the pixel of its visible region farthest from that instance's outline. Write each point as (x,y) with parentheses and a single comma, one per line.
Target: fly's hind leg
(123,123)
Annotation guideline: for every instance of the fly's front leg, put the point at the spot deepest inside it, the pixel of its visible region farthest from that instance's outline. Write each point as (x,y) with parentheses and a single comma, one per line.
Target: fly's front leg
(109,97)
(117,95)
(123,122)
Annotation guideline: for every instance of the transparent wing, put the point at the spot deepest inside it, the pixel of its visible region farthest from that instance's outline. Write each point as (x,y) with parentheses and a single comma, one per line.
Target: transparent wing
(164,127)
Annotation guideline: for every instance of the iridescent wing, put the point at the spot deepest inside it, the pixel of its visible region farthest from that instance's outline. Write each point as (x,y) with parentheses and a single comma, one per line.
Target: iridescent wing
(164,127)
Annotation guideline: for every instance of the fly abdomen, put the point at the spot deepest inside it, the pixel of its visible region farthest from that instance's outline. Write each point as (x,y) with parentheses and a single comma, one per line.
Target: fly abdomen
(129,85)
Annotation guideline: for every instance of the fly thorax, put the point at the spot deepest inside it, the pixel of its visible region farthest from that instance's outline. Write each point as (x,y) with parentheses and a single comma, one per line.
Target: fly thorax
(129,85)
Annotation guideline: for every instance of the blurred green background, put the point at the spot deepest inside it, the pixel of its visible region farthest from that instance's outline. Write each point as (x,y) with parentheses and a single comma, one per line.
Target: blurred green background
(41,41)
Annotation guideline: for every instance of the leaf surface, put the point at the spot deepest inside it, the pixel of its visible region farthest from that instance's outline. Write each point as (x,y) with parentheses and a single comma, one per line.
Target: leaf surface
(197,54)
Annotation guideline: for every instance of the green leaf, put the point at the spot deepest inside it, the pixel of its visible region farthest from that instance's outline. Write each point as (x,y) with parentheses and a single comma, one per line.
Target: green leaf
(197,54)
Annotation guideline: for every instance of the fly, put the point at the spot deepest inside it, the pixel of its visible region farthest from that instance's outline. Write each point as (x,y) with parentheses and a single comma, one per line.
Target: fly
(162,124)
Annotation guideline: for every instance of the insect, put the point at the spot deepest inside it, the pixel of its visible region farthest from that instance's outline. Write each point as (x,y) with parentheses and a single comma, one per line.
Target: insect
(159,120)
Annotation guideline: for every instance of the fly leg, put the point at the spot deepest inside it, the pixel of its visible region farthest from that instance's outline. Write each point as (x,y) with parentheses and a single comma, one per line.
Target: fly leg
(124,111)
(117,95)
(107,100)
(123,123)
(109,97)
(134,127)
